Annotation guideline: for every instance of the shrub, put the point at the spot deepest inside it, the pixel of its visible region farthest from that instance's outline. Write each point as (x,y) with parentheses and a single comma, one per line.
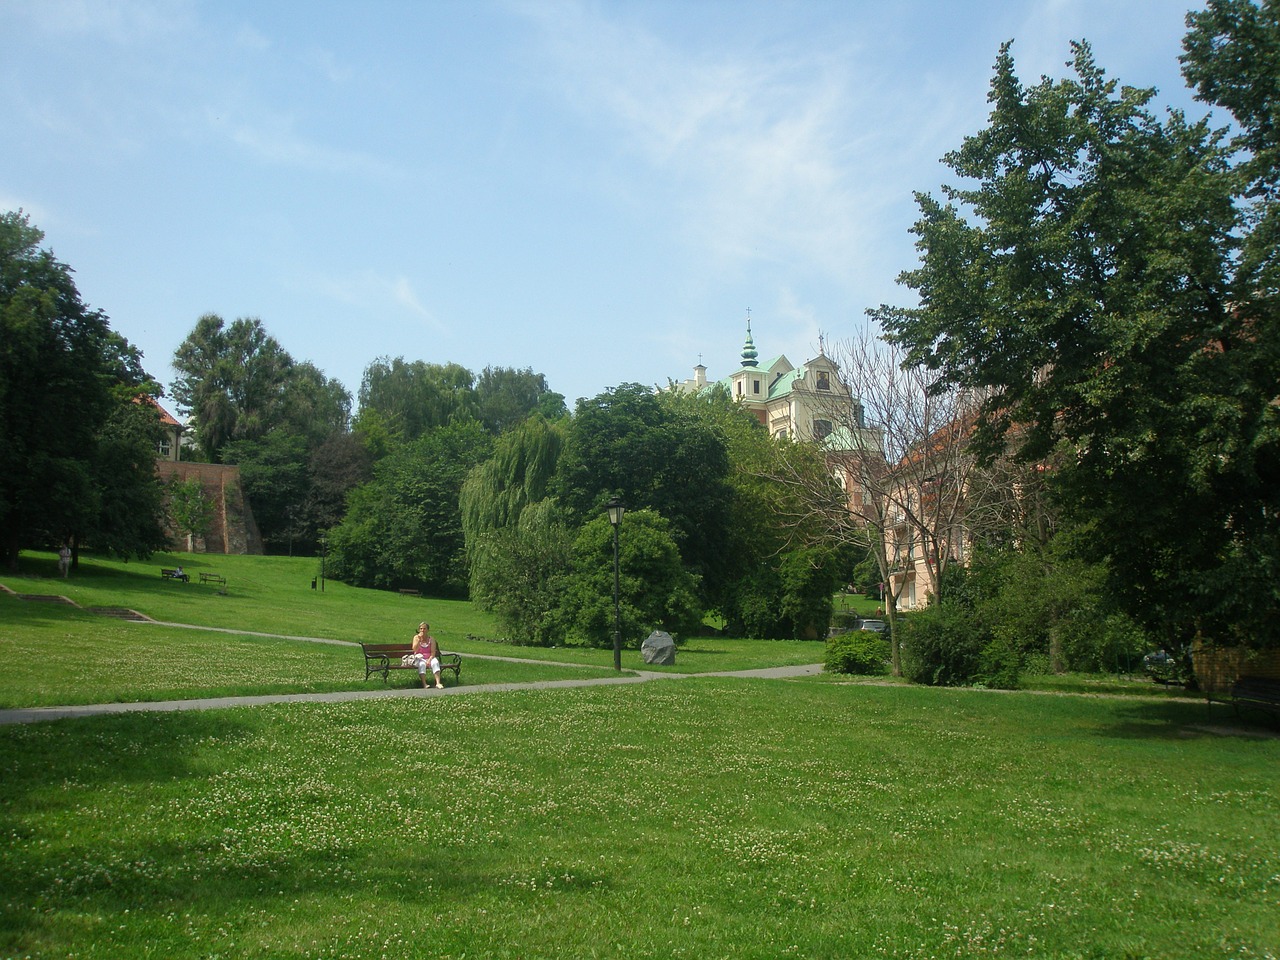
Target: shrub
(862,652)
(942,645)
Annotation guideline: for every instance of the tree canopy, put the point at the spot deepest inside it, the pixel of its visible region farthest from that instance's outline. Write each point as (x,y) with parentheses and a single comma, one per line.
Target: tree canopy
(73,441)
(1086,284)
(239,383)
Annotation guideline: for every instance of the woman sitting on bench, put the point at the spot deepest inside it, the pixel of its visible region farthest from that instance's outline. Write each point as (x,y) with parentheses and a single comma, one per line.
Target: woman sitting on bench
(427,651)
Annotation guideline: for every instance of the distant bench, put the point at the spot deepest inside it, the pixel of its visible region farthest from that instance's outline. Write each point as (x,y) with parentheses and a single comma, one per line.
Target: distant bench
(1259,693)
(410,592)
(385,657)
(213,578)
(169,574)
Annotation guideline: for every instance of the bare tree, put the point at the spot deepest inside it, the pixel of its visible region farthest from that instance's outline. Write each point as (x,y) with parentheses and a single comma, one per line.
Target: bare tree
(899,470)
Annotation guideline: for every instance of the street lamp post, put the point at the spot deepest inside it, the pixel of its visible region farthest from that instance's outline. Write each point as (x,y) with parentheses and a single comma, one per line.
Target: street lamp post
(616,510)
(324,550)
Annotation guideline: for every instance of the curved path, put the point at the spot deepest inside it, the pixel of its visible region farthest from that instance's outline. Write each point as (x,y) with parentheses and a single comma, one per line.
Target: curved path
(37,714)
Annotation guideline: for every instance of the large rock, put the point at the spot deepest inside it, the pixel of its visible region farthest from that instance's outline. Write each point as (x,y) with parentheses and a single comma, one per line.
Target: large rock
(659,648)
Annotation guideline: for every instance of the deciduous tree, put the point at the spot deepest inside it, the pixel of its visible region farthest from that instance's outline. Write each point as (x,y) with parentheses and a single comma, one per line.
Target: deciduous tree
(1083,283)
(73,444)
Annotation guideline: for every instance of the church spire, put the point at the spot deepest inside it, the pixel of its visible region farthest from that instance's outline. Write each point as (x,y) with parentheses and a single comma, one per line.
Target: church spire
(749,353)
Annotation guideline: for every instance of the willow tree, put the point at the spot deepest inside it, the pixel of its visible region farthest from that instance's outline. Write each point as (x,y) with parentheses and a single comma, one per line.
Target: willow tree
(518,545)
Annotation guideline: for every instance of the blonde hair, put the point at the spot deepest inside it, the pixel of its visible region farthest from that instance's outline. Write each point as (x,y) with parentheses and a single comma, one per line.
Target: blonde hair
(424,625)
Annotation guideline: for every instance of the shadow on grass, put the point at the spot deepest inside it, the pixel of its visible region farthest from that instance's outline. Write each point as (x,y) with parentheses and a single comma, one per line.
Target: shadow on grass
(1184,720)
(73,861)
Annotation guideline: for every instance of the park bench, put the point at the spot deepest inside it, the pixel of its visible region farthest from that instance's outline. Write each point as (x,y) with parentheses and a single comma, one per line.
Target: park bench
(213,578)
(410,592)
(170,574)
(1258,693)
(385,657)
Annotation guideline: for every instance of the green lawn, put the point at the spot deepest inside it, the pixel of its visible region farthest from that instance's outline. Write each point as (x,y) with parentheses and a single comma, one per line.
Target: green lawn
(704,817)
(698,817)
(267,595)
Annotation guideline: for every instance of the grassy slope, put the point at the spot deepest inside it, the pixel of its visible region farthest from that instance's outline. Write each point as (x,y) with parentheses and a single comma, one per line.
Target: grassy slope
(115,661)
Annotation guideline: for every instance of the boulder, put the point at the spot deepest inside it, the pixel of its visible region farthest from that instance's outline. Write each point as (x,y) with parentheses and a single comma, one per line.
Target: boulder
(659,648)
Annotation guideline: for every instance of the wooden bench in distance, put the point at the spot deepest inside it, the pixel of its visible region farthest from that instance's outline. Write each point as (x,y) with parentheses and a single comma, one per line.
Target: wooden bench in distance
(1258,693)
(213,578)
(385,657)
(169,574)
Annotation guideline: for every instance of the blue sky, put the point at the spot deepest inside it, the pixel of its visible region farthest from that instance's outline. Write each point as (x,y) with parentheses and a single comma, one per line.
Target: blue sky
(595,190)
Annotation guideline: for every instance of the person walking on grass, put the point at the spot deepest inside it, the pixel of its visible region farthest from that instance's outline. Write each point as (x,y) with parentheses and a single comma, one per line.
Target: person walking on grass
(428,653)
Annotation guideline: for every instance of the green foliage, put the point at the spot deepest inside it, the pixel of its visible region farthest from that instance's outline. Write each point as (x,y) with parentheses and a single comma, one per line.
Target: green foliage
(506,397)
(128,501)
(338,465)
(189,509)
(655,591)
(1087,281)
(862,652)
(404,527)
(809,577)
(74,449)
(944,645)
(518,474)
(413,398)
(273,470)
(518,573)
(627,442)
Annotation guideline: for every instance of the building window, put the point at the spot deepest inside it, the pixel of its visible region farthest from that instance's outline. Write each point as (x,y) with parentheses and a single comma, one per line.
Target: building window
(163,448)
(824,380)
(755,387)
(821,429)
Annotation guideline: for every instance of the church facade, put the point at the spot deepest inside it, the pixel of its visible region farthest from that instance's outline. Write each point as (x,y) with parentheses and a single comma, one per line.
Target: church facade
(806,403)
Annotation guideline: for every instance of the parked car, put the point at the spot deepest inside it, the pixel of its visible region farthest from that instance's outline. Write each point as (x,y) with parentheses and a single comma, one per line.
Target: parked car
(876,626)
(1163,668)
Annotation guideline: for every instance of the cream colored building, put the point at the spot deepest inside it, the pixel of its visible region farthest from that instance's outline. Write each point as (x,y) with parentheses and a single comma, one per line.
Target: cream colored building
(808,403)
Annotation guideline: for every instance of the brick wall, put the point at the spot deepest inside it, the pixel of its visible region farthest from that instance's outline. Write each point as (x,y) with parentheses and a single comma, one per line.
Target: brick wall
(1218,667)
(233,529)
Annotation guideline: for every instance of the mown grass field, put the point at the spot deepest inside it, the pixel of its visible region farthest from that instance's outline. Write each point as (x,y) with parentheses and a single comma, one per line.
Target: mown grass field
(698,817)
(269,596)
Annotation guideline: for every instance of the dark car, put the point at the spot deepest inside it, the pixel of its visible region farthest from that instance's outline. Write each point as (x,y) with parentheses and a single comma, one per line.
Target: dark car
(1163,668)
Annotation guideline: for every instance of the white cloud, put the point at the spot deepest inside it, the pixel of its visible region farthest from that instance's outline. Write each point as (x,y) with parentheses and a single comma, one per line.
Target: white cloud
(374,293)
(762,151)
(271,137)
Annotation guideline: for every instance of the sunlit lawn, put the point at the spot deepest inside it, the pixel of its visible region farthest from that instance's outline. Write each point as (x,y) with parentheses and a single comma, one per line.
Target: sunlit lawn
(266,595)
(699,817)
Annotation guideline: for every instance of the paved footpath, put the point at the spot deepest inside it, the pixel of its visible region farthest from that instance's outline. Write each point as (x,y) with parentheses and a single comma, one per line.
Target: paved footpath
(37,714)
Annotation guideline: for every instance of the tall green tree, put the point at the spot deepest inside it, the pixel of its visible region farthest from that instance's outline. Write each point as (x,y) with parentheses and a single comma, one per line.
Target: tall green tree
(412,398)
(506,396)
(520,574)
(519,474)
(1232,58)
(70,438)
(232,380)
(274,474)
(403,529)
(190,510)
(625,442)
(1082,283)
(336,466)
(655,590)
